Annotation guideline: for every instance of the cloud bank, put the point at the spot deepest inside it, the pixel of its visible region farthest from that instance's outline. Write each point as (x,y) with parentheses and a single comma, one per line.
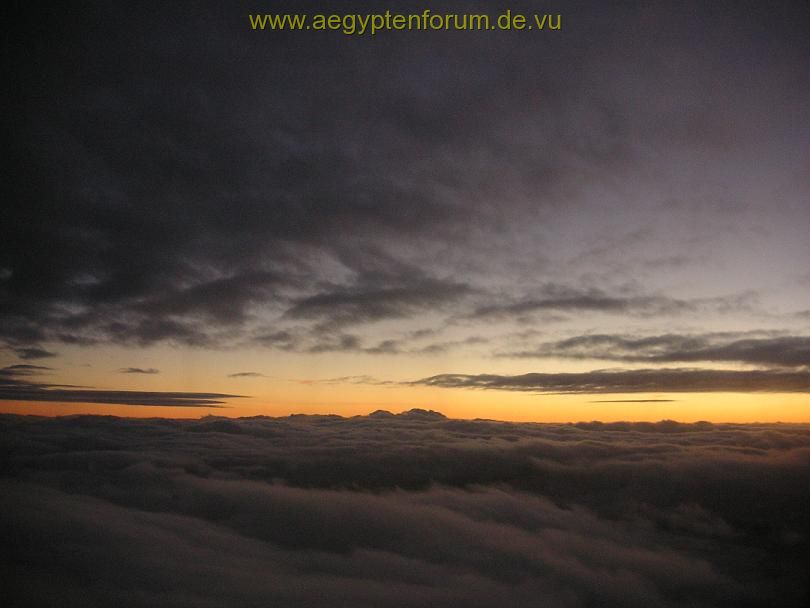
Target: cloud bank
(402,510)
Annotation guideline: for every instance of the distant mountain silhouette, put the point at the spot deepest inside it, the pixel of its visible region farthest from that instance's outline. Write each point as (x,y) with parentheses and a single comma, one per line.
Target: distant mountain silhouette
(422,414)
(381,414)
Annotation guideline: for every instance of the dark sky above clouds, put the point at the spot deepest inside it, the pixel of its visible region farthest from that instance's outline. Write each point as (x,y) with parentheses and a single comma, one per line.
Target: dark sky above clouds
(631,188)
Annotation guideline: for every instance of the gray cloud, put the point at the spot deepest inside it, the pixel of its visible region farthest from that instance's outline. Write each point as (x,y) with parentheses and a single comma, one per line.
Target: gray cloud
(361,305)
(247,375)
(788,351)
(593,301)
(34,352)
(443,347)
(677,380)
(138,370)
(225,300)
(327,337)
(564,298)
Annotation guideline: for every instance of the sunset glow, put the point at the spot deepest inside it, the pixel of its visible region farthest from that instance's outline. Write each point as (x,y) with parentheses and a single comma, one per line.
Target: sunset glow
(447,304)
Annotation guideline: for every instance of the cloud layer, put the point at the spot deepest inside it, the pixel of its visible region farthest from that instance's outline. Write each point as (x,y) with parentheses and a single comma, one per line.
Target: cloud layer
(190,181)
(406,510)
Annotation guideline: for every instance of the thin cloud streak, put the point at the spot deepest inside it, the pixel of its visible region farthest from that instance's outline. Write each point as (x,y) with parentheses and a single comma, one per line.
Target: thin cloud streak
(634,401)
(16,385)
(34,352)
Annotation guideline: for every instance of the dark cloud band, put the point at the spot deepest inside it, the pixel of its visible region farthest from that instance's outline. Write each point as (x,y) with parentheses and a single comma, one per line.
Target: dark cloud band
(676,380)
(787,351)
(17,384)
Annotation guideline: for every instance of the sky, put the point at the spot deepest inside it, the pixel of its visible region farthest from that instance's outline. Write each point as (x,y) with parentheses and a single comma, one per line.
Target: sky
(423,318)
(604,222)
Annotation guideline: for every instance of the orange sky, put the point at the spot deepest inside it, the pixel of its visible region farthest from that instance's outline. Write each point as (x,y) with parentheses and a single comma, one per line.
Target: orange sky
(466,403)
(330,384)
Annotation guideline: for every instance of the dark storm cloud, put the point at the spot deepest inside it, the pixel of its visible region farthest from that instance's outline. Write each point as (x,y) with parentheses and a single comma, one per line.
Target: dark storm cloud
(678,380)
(17,384)
(785,351)
(402,510)
(138,370)
(208,210)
